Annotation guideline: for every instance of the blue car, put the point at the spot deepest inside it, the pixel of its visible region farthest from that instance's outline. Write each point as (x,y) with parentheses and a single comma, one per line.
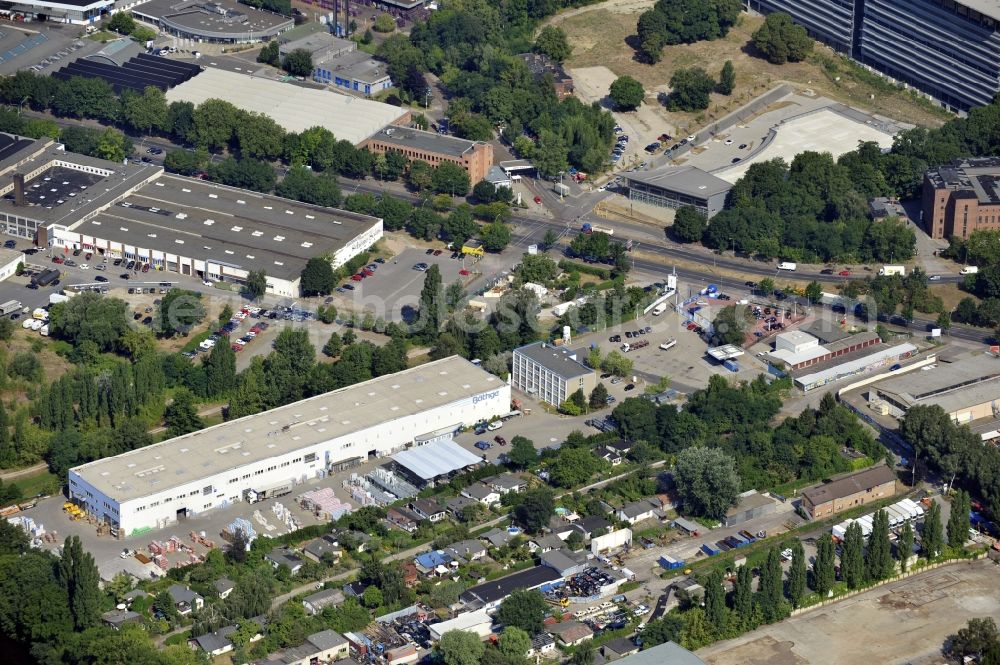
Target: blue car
(483,445)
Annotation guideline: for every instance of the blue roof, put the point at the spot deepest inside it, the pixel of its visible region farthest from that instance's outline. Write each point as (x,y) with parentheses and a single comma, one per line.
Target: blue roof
(433,559)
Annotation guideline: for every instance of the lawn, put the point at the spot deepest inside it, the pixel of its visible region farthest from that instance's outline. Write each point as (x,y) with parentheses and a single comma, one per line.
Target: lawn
(43,482)
(598,37)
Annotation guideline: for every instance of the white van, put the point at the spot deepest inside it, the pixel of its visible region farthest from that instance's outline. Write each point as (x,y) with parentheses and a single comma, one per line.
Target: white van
(660,309)
(495,425)
(787,265)
(969,270)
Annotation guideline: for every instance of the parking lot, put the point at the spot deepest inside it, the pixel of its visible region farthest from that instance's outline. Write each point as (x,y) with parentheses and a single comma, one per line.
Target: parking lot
(395,286)
(41,47)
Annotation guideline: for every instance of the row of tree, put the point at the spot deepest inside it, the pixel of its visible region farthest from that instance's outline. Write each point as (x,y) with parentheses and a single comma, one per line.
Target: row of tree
(685,22)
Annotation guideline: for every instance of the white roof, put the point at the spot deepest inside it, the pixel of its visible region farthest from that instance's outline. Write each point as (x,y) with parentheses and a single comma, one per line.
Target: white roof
(725,352)
(856,365)
(435,459)
(474,621)
(805,355)
(294,107)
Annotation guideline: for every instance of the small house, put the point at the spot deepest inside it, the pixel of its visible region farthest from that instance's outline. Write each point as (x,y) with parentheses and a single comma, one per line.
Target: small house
(224,586)
(314,603)
(185,600)
(506,482)
(403,518)
(467,550)
(284,556)
(118,618)
(482,493)
(215,644)
(324,546)
(428,509)
(571,633)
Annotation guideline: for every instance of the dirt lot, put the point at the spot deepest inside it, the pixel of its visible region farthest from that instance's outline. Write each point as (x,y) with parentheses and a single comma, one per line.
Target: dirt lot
(598,36)
(904,622)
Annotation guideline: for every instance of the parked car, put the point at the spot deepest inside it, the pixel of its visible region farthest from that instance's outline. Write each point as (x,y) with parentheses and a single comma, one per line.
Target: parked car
(500,440)
(483,445)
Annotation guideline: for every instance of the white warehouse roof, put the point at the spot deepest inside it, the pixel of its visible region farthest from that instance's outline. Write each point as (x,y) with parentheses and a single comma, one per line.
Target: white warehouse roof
(237,443)
(435,459)
(294,107)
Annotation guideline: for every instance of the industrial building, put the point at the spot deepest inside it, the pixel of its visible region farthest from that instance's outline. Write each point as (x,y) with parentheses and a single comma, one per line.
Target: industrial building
(550,373)
(870,359)
(962,197)
(476,157)
(849,490)
(433,461)
(952,49)
(164,483)
(213,21)
(968,390)
(10,259)
(73,12)
(668,653)
(749,506)
(294,107)
(489,595)
(796,349)
(677,186)
(338,62)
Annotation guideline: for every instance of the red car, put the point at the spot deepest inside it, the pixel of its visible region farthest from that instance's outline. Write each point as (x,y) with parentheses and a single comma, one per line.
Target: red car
(145,267)
(356,278)
(844,273)
(88,255)
(367,272)
(57,259)
(236,347)
(255,330)
(463,272)
(538,200)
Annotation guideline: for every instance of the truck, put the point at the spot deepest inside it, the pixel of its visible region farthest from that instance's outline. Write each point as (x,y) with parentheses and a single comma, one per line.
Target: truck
(589,228)
(639,344)
(669,344)
(273,492)
(969,270)
(40,314)
(55,298)
(788,265)
(660,309)
(10,307)
(888,271)
(46,277)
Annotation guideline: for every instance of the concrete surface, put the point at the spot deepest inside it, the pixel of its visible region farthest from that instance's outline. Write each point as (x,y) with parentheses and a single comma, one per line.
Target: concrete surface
(903,622)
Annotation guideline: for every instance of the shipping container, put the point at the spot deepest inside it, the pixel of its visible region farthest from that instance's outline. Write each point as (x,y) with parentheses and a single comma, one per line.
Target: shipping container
(710,550)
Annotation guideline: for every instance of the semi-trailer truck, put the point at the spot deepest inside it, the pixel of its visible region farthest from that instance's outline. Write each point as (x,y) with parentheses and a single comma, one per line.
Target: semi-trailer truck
(253,496)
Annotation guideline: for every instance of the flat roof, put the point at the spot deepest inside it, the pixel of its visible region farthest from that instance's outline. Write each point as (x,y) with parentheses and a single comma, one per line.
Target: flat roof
(853,362)
(188,458)
(494,590)
(294,107)
(557,359)
(750,501)
(952,386)
(317,41)
(213,18)
(689,180)
(797,357)
(236,227)
(725,352)
(418,139)
(668,653)
(437,458)
(990,8)
(356,65)
(847,484)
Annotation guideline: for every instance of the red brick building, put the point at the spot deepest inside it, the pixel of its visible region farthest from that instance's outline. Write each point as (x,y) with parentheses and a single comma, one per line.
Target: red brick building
(962,197)
(849,490)
(476,157)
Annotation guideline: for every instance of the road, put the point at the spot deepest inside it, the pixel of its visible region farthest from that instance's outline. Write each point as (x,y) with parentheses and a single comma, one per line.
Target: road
(26,471)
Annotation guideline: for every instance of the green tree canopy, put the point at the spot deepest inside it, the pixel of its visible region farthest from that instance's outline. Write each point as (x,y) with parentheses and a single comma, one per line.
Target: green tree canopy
(523,609)
(780,40)
(552,42)
(690,89)
(626,93)
(317,277)
(706,481)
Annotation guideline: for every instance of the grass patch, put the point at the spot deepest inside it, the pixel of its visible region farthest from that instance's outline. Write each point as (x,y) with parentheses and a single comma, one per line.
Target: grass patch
(193,342)
(43,482)
(103,36)
(178,638)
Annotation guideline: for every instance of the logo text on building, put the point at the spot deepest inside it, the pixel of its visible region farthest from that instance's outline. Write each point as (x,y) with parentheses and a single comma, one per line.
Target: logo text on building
(476,399)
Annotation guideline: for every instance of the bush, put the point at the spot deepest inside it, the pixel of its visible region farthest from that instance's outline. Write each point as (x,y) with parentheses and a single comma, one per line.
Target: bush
(690,89)
(384,23)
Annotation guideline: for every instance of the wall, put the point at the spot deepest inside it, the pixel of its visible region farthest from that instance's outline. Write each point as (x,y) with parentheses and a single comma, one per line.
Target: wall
(611,540)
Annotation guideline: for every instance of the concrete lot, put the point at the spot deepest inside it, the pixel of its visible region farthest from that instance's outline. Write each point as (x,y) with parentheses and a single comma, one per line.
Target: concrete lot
(902,622)
(45,46)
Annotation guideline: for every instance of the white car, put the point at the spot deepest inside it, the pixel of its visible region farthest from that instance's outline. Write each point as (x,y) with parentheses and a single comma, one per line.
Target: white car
(691,138)
(84,266)
(495,425)
(27,323)
(36,324)
(207,344)
(206,282)
(239,342)
(729,141)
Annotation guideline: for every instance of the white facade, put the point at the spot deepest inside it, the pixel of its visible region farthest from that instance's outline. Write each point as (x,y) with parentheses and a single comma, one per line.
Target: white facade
(9,260)
(189,493)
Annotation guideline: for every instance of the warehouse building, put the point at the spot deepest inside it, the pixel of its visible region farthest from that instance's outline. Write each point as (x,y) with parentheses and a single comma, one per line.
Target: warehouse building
(488,595)
(968,390)
(476,157)
(849,490)
(865,360)
(962,197)
(550,373)
(668,653)
(167,482)
(796,349)
(749,506)
(213,21)
(434,461)
(677,186)
(294,107)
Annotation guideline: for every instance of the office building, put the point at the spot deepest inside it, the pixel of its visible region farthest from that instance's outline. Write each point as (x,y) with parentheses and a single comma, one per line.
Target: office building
(849,490)
(676,186)
(962,197)
(550,373)
(213,21)
(829,21)
(476,157)
(164,483)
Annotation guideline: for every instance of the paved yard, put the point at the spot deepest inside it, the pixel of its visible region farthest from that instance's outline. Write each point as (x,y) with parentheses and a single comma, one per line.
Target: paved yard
(903,622)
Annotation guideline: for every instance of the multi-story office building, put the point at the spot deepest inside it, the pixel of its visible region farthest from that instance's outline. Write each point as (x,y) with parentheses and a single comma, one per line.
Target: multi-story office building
(948,49)
(962,197)
(550,373)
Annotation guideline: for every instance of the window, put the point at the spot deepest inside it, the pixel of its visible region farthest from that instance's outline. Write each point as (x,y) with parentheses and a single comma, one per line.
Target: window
(311,457)
(206,490)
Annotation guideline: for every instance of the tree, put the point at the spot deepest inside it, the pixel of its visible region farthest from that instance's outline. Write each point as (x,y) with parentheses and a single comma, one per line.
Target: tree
(432,307)
(372,597)
(978,637)
(878,557)
(690,89)
(706,480)
(780,40)
(852,563)
(616,363)
(766,286)
(77,573)
(729,326)
(180,416)
(302,184)
(298,63)
(147,112)
(549,239)
(814,292)
(769,588)
(317,277)
(179,311)
(727,78)
(214,123)
(270,54)
(523,609)
(626,93)
(743,597)
(715,602)
(573,466)
(90,318)
(113,146)
(459,647)
(450,178)
(583,655)
(259,136)
(797,574)
(522,452)
(514,643)
(384,23)
(689,224)
(495,236)
(535,508)
(958,519)
(598,397)
(904,546)
(683,22)
(122,23)
(932,538)
(824,566)
(256,284)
